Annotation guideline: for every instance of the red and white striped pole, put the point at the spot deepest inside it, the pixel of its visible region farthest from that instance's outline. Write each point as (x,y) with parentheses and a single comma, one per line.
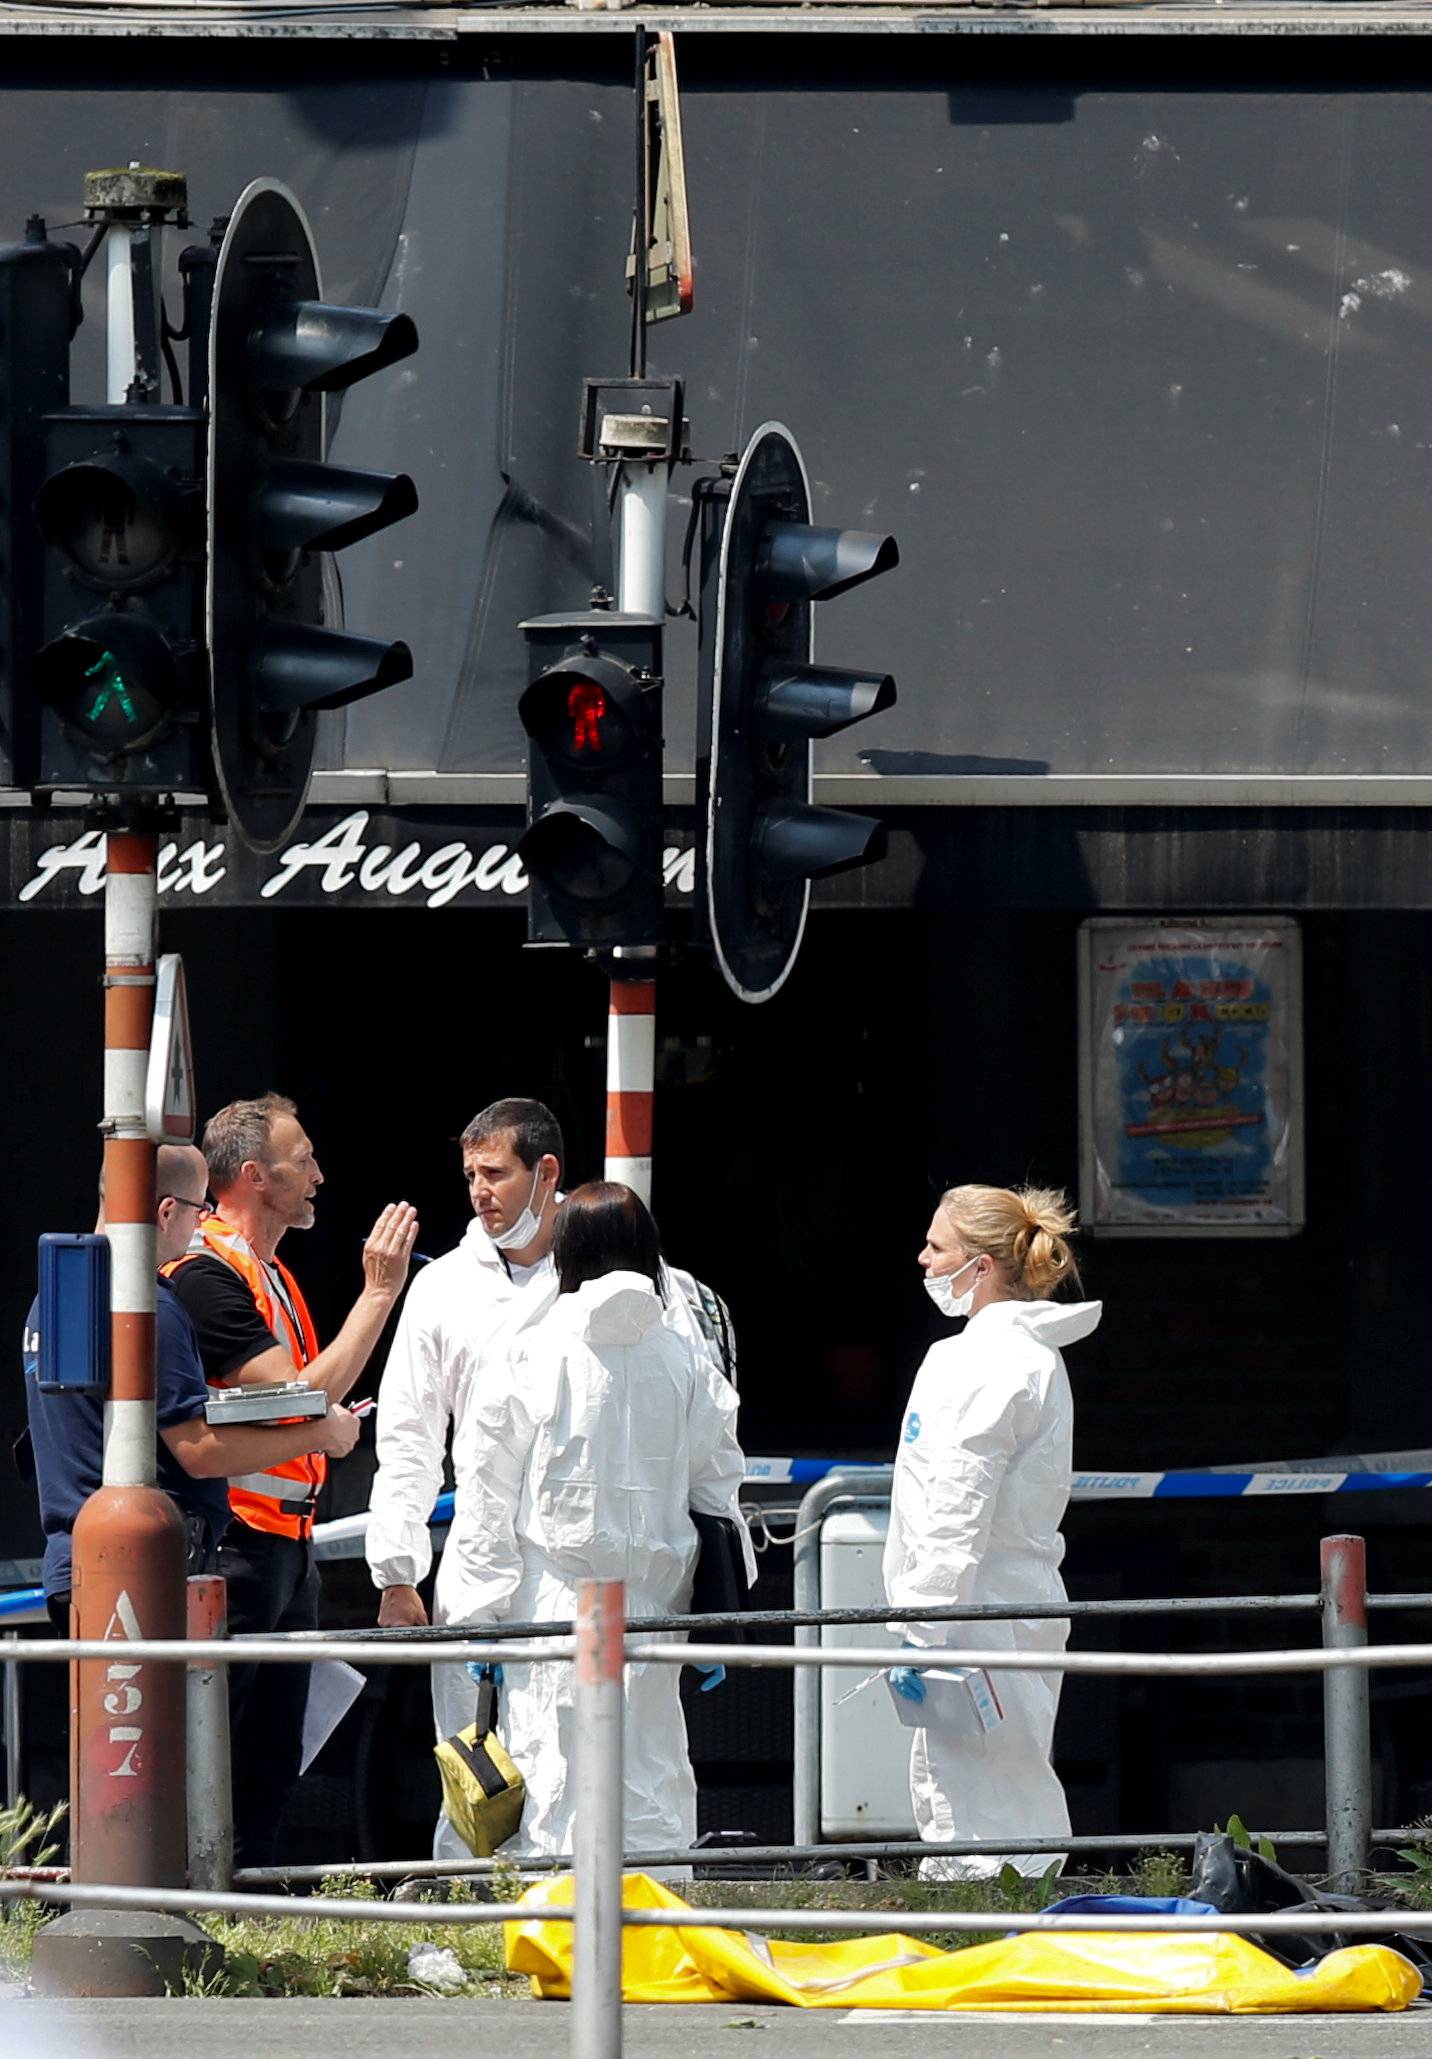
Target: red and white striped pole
(631,1083)
(127,1718)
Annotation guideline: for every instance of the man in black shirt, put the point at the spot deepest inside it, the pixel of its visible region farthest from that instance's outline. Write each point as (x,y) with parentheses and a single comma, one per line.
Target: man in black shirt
(253,1328)
(194,1459)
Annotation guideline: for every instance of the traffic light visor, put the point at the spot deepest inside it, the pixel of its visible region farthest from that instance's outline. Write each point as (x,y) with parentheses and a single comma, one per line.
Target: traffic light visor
(816,700)
(307,346)
(307,506)
(814,843)
(296,666)
(797,562)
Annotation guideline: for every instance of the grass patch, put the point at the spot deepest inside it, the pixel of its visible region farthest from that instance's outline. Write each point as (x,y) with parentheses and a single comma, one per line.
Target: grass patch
(17,1938)
(27,1838)
(289,1955)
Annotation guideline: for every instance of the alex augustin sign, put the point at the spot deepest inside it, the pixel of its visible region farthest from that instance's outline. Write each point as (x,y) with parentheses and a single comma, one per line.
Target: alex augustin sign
(358,857)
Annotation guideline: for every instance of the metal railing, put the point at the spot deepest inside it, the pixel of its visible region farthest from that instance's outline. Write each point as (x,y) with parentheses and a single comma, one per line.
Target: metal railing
(604,1643)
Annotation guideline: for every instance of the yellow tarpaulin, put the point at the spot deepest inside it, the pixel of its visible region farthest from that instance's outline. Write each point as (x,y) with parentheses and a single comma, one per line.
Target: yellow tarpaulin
(1202,1973)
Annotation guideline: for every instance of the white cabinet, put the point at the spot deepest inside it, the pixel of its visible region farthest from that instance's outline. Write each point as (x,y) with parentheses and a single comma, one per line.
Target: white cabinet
(864,1749)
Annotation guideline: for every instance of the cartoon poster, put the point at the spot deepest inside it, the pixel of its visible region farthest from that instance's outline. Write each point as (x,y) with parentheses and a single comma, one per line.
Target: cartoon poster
(1191,1077)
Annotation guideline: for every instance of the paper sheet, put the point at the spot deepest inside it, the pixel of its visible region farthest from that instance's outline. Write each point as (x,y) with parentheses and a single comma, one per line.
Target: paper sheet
(332,1690)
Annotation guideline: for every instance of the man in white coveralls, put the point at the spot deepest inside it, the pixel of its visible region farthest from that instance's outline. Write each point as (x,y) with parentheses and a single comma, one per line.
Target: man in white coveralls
(460,1310)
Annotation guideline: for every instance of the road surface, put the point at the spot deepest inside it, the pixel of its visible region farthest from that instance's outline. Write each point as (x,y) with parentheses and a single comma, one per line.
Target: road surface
(190,2029)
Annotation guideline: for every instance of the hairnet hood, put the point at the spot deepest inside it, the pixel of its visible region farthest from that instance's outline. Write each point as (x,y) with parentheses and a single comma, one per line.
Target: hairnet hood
(1055,1323)
(619,1308)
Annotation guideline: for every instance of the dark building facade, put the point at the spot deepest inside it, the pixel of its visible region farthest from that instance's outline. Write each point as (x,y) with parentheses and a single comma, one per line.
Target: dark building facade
(1124,338)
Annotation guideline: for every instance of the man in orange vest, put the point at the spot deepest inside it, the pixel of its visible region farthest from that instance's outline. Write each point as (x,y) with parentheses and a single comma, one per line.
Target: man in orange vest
(253,1328)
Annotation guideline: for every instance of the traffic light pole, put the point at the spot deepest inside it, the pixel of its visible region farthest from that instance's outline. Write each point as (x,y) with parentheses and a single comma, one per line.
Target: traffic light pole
(127,1717)
(127,1815)
(643,493)
(631,1082)
(643,497)
(134,204)
(119,308)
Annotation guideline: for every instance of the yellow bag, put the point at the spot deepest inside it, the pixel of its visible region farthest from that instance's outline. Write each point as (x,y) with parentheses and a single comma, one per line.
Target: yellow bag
(1201,1973)
(483,1792)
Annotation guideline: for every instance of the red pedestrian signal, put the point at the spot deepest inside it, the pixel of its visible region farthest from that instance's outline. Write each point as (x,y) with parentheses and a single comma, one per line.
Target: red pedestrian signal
(587,707)
(593,842)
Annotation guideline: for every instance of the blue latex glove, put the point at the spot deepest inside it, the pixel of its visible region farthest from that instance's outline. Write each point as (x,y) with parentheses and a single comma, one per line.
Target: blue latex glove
(908,1682)
(711,1676)
(478,1673)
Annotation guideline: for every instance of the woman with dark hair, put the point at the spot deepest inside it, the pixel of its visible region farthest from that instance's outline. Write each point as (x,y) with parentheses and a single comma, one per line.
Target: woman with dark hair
(582,1456)
(604,1228)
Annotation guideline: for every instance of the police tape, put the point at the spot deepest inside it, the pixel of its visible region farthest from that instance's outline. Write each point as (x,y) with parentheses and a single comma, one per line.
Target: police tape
(1209,1486)
(1377,1473)
(1207,1483)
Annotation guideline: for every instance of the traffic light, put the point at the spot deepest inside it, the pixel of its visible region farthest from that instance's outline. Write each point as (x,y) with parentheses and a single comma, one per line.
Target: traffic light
(38,311)
(275,505)
(593,842)
(762,701)
(120,672)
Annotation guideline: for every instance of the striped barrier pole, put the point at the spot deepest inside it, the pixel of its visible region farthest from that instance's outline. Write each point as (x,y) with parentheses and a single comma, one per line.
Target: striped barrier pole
(126,1714)
(631,1083)
(597,1841)
(129,1545)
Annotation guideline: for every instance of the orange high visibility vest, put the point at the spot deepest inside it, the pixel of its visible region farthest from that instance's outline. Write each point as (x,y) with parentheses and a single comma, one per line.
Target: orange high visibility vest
(281,1500)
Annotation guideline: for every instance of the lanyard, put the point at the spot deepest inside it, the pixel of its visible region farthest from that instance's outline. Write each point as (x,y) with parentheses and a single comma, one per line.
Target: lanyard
(276,1282)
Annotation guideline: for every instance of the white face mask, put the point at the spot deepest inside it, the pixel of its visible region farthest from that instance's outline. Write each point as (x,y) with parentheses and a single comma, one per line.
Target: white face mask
(526,1228)
(942,1291)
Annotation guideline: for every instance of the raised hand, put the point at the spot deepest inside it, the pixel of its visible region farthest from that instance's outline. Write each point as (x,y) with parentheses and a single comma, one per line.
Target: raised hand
(388,1249)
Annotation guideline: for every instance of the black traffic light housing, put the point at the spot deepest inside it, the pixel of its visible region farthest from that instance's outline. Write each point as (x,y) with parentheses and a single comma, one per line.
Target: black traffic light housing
(593,845)
(275,505)
(120,673)
(38,315)
(763,701)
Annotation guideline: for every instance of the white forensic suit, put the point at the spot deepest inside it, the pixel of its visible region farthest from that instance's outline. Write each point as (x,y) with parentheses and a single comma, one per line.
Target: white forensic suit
(982,1478)
(454,1308)
(580,1458)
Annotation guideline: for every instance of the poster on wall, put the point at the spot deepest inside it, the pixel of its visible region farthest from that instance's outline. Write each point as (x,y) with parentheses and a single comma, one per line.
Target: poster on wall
(1191,1077)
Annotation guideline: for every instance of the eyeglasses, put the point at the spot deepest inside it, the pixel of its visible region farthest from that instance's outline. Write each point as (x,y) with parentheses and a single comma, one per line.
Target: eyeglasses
(183,1201)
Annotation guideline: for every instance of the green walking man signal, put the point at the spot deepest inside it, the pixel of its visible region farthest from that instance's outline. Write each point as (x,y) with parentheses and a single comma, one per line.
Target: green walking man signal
(111,687)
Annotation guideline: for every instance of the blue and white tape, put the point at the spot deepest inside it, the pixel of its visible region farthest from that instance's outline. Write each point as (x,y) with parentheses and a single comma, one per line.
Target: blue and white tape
(1211,1486)
(1375,1473)
(801,1472)
(1208,1483)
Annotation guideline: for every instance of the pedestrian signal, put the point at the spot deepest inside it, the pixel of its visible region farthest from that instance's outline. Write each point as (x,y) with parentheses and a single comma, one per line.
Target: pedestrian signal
(593,842)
